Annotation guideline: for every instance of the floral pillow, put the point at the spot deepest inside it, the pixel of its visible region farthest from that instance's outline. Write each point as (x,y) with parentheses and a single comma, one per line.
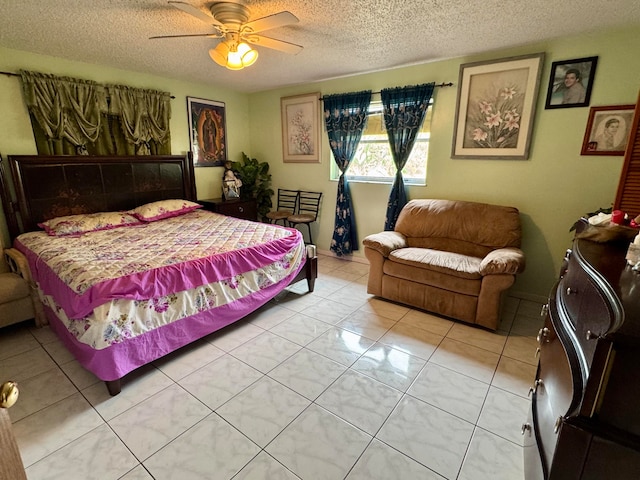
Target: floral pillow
(163,209)
(90,222)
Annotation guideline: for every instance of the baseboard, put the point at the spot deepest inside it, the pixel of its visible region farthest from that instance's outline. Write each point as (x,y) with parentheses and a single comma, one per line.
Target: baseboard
(349,258)
(529,296)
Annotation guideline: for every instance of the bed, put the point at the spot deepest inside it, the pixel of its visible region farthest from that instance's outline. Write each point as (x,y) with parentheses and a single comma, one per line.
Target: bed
(130,268)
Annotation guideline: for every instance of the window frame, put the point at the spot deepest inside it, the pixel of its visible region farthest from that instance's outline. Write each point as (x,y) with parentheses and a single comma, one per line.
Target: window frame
(376,107)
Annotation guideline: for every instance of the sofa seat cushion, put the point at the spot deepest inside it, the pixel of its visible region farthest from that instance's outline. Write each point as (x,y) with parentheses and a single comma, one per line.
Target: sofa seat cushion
(462,266)
(446,270)
(12,287)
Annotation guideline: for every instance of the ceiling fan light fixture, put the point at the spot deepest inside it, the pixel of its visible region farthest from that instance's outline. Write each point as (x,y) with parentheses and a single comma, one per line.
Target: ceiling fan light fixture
(232,58)
(247,54)
(220,53)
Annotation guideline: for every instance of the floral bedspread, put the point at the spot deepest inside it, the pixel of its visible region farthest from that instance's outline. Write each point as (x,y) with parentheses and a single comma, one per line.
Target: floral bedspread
(125,281)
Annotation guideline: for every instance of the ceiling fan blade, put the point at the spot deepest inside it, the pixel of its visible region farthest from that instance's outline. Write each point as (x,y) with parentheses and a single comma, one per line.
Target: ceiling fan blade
(210,35)
(268,42)
(271,21)
(195,12)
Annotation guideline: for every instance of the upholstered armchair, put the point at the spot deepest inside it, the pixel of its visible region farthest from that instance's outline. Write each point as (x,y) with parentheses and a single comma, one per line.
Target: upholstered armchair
(18,296)
(454,258)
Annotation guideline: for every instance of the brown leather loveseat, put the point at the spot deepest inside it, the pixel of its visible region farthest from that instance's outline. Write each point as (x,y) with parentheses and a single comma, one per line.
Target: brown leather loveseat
(450,257)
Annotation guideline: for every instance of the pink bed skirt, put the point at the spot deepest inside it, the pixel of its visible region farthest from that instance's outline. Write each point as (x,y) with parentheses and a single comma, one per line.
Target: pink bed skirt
(116,361)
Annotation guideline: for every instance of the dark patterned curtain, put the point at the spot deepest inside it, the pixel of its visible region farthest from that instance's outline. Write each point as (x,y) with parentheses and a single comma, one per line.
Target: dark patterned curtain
(345,118)
(404,112)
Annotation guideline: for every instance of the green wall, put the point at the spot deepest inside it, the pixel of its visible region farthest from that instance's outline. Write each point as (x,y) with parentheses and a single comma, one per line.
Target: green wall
(552,189)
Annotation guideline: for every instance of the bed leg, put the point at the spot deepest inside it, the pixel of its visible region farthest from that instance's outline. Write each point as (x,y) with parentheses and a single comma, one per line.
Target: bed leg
(312,272)
(113,386)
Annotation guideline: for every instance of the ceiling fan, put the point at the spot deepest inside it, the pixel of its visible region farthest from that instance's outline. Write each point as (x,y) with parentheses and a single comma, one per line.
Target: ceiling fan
(230,21)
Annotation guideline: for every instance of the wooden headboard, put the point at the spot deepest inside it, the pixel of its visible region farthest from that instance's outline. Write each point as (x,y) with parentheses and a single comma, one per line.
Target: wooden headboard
(46,187)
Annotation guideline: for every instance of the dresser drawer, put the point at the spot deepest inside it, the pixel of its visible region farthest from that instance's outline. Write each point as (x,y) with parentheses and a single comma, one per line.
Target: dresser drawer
(594,319)
(554,394)
(571,289)
(239,209)
(246,209)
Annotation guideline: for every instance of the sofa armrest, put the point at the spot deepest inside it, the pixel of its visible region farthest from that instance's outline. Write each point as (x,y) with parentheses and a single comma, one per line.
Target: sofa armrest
(18,263)
(385,242)
(503,260)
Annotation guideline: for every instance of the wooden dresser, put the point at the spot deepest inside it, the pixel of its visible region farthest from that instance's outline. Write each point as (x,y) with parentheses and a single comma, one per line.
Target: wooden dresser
(584,421)
(234,207)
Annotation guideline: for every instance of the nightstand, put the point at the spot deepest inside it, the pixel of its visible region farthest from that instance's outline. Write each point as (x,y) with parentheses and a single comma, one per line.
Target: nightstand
(246,209)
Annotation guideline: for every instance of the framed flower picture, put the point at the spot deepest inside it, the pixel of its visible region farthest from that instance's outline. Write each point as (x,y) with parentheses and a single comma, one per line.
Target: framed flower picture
(301,128)
(496,107)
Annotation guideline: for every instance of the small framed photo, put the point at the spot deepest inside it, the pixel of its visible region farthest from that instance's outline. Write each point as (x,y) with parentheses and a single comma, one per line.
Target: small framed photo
(571,83)
(301,128)
(495,108)
(608,130)
(207,132)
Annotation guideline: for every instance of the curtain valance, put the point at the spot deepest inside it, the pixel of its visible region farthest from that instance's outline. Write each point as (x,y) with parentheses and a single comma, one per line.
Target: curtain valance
(82,112)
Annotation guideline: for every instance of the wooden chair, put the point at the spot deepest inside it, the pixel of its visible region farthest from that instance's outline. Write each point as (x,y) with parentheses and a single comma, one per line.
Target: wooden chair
(287,203)
(307,213)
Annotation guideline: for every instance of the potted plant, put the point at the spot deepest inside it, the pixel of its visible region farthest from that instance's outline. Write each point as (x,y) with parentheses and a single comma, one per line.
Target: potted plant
(256,183)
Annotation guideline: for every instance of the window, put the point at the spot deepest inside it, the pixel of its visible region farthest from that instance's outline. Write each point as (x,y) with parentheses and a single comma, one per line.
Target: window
(373,161)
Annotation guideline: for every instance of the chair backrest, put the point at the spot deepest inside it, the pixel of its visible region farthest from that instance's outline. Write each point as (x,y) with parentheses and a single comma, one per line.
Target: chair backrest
(287,199)
(309,203)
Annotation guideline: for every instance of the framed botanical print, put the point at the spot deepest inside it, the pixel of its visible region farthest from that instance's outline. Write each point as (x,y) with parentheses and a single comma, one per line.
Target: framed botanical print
(496,107)
(207,132)
(301,128)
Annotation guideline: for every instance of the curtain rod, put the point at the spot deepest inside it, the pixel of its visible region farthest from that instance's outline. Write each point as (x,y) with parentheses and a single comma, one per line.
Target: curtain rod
(11,74)
(449,84)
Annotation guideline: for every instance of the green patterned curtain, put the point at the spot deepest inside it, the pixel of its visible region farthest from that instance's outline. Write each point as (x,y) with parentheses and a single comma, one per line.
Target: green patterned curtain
(404,112)
(66,109)
(144,115)
(71,116)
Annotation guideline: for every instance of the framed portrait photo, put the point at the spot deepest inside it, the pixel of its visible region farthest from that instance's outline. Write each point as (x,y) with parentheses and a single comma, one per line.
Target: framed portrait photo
(608,130)
(571,82)
(207,132)
(301,128)
(496,107)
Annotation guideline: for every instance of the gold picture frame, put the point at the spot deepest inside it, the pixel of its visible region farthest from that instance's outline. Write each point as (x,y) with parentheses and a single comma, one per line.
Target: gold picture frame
(495,108)
(301,128)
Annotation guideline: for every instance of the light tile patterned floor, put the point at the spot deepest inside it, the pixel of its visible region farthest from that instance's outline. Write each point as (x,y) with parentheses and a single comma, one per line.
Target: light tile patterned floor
(330,385)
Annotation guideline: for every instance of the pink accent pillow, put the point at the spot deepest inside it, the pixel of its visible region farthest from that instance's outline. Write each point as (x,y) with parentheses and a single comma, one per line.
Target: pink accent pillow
(90,222)
(163,209)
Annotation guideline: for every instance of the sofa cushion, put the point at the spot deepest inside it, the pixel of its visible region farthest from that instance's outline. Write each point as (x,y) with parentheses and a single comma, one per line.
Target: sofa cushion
(491,226)
(12,287)
(412,264)
(462,266)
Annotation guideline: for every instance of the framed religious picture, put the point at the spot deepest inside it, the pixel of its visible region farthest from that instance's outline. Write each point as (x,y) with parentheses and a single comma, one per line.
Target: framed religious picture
(207,132)
(301,128)
(571,83)
(496,107)
(608,130)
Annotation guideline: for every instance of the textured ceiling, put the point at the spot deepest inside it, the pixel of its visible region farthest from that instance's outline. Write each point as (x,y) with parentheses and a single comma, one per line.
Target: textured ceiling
(340,37)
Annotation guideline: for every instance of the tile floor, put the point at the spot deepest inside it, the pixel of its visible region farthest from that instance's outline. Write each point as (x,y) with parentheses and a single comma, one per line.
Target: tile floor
(329,385)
